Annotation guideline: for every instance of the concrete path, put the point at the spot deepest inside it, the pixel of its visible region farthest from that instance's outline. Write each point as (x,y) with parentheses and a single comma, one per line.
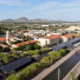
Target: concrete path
(47,71)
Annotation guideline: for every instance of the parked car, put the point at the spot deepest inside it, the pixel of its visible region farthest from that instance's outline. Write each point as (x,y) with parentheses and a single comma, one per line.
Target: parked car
(75,45)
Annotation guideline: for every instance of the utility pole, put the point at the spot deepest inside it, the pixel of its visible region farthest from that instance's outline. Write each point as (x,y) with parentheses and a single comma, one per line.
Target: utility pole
(58,73)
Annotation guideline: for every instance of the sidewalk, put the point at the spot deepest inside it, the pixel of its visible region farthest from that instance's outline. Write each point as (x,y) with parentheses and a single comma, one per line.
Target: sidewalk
(47,71)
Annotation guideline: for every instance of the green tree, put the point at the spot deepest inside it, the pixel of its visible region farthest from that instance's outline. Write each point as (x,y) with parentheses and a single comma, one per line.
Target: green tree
(44,49)
(37,47)
(13,77)
(30,53)
(29,47)
(1,55)
(5,59)
(14,49)
(8,55)
(29,42)
(57,43)
(58,55)
(25,74)
(14,55)
(36,52)
(34,67)
(51,54)
(22,55)
(36,43)
(63,51)
(28,38)
(48,45)
(55,55)
(45,61)
(20,47)
(73,76)
(6,49)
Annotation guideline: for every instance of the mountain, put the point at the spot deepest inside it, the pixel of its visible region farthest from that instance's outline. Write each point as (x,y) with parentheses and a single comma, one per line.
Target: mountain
(78,21)
(45,20)
(40,20)
(24,19)
(7,20)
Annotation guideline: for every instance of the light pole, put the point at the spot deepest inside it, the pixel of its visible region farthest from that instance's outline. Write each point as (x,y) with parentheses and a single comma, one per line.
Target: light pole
(58,73)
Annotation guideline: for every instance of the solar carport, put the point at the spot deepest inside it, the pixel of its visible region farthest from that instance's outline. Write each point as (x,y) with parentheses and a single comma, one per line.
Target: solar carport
(15,64)
(65,44)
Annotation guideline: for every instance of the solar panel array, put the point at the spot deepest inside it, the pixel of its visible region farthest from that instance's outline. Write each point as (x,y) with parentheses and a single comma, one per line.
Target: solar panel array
(15,64)
(64,44)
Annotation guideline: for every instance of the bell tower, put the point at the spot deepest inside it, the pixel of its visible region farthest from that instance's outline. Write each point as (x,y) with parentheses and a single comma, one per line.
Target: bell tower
(8,37)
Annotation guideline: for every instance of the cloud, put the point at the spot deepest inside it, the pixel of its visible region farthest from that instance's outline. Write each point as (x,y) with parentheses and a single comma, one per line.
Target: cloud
(56,10)
(58,5)
(12,2)
(47,9)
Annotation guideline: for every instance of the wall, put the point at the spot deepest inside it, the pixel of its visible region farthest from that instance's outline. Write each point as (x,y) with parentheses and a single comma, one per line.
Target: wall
(54,41)
(64,39)
(42,41)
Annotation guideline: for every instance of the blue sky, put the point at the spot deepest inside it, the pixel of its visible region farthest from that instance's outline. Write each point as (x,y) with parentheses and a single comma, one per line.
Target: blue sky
(68,10)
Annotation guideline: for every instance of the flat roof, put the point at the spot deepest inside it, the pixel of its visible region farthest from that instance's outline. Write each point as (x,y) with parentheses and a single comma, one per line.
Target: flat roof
(64,44)
(15,64)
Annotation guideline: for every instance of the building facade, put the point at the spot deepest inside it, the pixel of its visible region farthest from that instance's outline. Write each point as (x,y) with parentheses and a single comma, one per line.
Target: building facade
(51,40)
(66,37)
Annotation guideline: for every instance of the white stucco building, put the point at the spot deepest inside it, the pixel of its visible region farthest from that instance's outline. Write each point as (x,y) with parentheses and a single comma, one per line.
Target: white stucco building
(53,34)
(72,28)
(52,39)
(66,37)
(35,32)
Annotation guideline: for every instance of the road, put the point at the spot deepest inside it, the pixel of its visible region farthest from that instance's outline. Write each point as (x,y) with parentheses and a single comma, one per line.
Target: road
(64,68)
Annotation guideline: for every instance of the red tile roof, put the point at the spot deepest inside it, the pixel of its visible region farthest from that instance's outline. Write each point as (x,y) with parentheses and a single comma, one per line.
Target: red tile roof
(51,37)
(3,45)
(68,35)
(49,29)
(4,38)
(63,28)
(13,37)
(31,41)
(24,31)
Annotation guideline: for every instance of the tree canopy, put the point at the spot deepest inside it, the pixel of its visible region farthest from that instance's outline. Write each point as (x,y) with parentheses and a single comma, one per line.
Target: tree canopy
(63,51)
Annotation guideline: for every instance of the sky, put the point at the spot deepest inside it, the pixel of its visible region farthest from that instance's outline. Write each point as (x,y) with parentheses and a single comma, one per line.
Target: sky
(67,10)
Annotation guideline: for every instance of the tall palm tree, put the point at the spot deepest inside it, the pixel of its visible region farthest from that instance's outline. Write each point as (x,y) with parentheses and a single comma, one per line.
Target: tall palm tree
(36,43)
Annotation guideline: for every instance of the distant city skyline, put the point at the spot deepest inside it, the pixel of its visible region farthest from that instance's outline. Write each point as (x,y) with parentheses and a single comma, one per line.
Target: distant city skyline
(66,10)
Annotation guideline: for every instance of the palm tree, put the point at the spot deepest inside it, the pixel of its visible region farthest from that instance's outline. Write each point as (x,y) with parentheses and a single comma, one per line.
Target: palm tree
(36,43)
(29,41)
